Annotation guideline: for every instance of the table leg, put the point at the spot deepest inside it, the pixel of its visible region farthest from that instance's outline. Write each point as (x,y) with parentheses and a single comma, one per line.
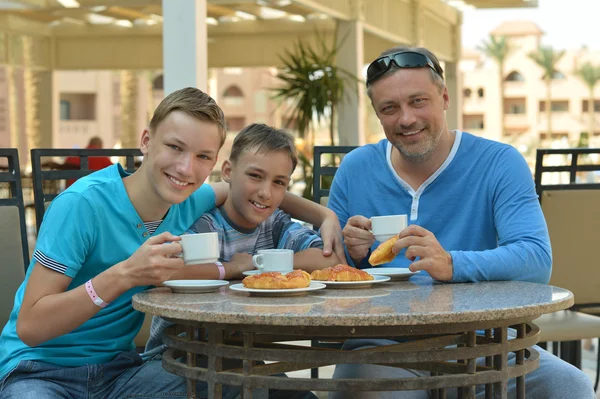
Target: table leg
(501,337)
(520,360)
(190,358)
(489,362)
(215,363)
(471,364)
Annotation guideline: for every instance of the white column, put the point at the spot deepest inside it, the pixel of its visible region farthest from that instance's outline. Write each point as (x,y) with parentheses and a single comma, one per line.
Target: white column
(351,115)
(185,51)
(454,85)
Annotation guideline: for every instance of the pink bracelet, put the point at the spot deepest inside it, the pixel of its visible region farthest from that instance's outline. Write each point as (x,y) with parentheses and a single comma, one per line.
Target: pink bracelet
(93,296)
(221,270)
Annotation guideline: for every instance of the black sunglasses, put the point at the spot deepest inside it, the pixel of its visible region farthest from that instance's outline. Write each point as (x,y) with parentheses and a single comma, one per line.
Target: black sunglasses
(402,59)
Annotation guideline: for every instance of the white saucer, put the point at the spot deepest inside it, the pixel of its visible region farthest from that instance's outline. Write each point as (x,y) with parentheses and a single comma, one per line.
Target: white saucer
(396,273)
(355,284)
(194,286)
(283,292)
(253,272)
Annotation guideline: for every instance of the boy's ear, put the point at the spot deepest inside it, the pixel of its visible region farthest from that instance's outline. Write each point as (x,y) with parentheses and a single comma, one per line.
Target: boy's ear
(226,168)
(144,141)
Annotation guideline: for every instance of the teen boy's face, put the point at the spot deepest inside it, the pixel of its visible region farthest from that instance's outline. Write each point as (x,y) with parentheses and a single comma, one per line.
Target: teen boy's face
(257,185)
(180,155)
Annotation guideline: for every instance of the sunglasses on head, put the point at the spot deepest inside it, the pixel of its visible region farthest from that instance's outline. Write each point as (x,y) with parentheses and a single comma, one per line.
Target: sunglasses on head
(402,59)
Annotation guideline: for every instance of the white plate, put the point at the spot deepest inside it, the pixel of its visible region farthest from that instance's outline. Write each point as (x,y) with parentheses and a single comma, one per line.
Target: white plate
(355,284)
(284,292)
(396,273)
(194,286)
(253,272)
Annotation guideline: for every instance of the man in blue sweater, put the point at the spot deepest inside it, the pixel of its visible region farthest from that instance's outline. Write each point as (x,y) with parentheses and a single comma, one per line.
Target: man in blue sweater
(471,204)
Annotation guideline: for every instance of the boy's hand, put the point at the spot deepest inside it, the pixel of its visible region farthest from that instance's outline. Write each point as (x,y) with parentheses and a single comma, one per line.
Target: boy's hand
(331,233)
(358,238)
(154,262)
(238,264)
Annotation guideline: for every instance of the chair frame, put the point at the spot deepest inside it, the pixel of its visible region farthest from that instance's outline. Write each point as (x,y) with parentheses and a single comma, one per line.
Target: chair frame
(572,168)
(570,351)
(39,175)
(13,177)
(319,170)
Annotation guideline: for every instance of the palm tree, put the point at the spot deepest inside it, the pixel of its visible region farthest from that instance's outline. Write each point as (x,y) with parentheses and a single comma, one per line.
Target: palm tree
(315,86)
(547,58)
(498,48)
(590,74)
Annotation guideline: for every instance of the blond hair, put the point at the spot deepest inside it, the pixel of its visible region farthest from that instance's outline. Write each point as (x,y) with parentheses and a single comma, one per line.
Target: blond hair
(193,102)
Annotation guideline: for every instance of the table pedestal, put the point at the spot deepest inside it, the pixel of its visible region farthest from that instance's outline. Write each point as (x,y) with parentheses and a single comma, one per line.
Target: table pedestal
(448,351)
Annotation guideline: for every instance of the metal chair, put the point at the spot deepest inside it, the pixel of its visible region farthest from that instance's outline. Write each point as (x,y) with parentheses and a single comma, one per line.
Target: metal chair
(42,173)
(320,194)
(13,233)
(568,209)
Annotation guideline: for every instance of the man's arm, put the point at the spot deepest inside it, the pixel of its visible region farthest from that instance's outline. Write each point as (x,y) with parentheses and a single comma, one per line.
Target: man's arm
(312,259)
(524,251)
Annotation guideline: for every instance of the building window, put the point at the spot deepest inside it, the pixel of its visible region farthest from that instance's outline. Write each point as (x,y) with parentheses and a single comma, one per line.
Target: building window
(65,110)
(467,93)
(585,105)
(158,83)
(236,123)
(556,106)
(515,76)
(480,93)
(233,96)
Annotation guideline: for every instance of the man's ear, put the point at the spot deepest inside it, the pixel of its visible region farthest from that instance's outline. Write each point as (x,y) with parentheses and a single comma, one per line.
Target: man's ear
(226,169)
(145,141)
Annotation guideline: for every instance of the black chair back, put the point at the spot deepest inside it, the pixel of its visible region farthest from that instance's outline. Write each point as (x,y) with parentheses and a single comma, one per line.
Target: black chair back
(11,179)
(319,170)
(576,164)
(51,172)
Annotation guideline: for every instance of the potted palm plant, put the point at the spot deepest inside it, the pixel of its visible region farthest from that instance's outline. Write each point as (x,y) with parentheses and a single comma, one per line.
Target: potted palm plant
(312,86)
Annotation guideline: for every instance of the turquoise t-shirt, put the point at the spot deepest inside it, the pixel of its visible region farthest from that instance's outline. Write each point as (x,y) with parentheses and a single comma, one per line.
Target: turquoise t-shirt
(87,229)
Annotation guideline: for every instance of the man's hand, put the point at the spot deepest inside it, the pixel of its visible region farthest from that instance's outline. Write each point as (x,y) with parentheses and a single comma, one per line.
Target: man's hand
(358,238)
(154,262)
(422,243)
(331,233)
(238,264)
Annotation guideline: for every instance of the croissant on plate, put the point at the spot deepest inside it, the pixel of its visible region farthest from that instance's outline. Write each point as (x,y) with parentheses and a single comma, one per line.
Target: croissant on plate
(383,253)
(278,281)
(341,273)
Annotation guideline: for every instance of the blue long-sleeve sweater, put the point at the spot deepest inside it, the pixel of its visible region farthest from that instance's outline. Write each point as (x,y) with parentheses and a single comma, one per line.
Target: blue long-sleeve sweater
(481,205)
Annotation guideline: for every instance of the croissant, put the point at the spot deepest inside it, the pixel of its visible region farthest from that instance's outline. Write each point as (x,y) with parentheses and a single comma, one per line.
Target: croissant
(278,281)
(341,273)
(383,253)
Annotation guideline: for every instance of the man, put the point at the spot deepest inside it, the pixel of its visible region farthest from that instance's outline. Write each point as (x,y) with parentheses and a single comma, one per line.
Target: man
(106,238)
(471,204)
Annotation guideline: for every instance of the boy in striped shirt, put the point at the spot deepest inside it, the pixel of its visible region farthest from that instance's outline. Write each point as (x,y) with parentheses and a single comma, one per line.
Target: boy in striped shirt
(258,172)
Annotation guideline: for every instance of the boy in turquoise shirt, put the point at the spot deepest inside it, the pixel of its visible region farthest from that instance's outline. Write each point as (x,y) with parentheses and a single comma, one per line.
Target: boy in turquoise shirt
(107,237)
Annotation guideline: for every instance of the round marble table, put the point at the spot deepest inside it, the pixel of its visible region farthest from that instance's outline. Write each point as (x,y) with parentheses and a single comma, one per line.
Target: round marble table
(440,328)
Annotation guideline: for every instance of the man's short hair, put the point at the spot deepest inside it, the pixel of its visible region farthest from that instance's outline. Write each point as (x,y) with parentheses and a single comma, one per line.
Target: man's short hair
(193,102)
(263,139)
(437,75)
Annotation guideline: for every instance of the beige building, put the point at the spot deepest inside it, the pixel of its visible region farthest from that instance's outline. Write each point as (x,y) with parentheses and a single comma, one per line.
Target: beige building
(525,94)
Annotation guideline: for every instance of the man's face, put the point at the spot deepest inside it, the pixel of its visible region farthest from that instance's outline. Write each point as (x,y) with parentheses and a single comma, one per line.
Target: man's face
(258,183)
(179,155)
(411,108)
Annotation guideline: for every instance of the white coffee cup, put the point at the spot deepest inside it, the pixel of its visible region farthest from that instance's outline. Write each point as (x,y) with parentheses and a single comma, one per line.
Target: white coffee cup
(274,260)
(385,227)
(200,248)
